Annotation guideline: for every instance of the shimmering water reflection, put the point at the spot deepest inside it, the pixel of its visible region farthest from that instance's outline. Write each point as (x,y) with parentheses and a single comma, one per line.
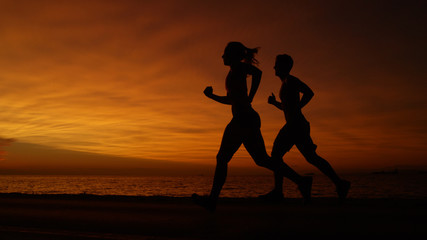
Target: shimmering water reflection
(363,186)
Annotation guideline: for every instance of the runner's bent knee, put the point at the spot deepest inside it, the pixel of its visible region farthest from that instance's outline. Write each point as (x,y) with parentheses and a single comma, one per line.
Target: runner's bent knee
(310,156)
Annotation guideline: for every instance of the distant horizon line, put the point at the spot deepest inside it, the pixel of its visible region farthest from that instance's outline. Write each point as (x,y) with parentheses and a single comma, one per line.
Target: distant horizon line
(238,173)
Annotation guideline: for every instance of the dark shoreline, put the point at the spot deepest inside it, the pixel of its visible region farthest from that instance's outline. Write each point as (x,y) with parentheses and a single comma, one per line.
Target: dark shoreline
(83,216)
(226,200)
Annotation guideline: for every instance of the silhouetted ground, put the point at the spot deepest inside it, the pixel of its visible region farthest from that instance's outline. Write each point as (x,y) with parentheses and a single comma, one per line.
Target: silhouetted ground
(120,217)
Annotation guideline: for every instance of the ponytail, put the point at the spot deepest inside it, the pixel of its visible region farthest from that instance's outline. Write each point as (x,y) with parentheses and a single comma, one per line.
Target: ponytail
(250,56)
(241,51)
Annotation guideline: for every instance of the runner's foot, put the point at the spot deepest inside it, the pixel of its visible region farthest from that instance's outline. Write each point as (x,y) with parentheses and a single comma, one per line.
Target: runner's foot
(342,189)
(204,201)
(305,188)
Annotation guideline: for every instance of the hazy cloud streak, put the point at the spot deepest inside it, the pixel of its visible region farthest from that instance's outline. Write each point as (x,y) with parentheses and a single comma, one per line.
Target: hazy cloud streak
(126,78)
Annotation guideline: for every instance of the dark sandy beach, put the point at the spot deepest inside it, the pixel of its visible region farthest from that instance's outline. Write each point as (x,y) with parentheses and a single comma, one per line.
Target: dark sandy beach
(120,217)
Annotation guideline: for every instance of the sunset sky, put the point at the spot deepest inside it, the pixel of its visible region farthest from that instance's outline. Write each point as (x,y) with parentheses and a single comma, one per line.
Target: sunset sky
(119,84)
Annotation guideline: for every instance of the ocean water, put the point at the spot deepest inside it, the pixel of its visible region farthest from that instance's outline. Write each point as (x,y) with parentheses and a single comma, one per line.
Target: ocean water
(407,186)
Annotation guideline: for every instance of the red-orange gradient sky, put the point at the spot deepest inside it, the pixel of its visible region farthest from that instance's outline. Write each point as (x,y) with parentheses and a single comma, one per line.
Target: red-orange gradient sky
(124,80)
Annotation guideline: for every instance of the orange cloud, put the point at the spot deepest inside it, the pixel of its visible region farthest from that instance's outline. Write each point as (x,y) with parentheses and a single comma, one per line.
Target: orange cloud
(4,142)
(126,78)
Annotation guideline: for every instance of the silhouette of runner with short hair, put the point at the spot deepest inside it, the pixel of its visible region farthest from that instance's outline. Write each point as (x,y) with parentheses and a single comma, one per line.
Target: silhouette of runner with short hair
(244,128)
(297,129)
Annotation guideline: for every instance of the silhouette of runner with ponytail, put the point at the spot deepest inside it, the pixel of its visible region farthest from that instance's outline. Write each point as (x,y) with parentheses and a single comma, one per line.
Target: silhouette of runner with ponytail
(244,128)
